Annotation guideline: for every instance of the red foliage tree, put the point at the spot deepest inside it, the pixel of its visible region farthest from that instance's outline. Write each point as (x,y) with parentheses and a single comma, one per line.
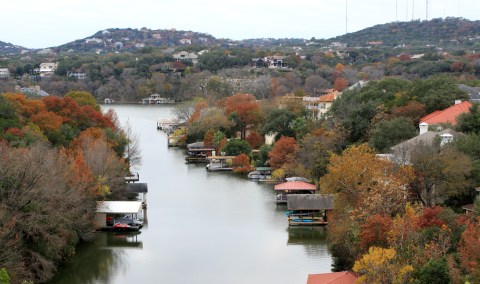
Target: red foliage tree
(241,164)
(208,138)
(457,66)
(255,140)
(469,248)
(374,232)
(25,106)
(247,109)
(429,217)
(47,121)
(405,57)
(413,110)
(340,84)
(284,147)
(198,109)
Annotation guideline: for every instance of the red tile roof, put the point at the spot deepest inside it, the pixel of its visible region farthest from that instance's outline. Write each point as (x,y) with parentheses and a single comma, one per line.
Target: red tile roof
(448,115)
(343,277)
(328,97)
(295,185)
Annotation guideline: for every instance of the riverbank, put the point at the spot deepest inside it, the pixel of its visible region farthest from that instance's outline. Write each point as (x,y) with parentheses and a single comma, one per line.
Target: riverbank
(201,227)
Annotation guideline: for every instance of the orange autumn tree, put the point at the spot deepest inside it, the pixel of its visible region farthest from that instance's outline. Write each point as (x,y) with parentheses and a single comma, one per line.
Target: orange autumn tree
(374,231)
(340,84)
(198,109)
(284,147)
(241,164)
(92,148)
(47,121)
(255,140)
(469,249)
(26,107)
(244,110)
(369,185)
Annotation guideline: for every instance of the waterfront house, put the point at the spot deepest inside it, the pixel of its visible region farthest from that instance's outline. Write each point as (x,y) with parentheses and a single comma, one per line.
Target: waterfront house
(157,99)
(342,277)
(309,209)
(290,187)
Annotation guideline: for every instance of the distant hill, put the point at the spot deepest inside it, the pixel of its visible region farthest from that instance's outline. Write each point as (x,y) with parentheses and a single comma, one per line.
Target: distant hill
(433,32)
(6,48)
(436,32)
(131,39)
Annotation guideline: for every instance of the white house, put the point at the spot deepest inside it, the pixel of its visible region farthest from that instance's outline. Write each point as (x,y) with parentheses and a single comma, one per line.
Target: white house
(47,69)
(186,56)
(4,73)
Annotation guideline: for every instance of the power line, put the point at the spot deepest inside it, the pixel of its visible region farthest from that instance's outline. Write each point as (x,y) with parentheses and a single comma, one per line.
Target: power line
(346,17)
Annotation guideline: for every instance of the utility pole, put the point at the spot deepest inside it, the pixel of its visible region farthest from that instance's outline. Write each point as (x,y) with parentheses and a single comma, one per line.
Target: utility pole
(413,10)
(396,11)
(426,13)
(406,7)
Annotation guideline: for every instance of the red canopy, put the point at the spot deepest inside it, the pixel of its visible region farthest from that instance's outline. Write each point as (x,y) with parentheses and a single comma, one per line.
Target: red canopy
(295,185)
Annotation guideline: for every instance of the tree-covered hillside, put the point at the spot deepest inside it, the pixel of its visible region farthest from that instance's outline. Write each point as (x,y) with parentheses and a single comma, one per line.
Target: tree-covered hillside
(439,32)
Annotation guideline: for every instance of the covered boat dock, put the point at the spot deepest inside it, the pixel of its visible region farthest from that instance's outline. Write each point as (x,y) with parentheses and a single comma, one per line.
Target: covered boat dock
(290,187)
(137,189)
(220,163)
(309,209)
(197,152)
(109,210)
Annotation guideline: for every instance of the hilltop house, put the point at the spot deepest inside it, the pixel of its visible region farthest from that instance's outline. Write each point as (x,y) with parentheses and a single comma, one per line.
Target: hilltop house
(185,41)
(257,63)
(4,73)
(78,75)
(186,56)
(319,106)
(31,91)
(446,116)
(276,62)
(47,69)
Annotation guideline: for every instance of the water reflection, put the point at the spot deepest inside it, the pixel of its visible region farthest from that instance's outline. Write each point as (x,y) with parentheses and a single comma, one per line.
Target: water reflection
(95,261)
(312,239)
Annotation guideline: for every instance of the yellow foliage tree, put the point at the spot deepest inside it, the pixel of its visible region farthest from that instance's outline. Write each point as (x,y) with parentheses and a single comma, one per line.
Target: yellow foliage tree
(380,265)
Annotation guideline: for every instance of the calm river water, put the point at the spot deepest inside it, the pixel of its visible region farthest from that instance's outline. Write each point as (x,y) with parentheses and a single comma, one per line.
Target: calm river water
(201,227)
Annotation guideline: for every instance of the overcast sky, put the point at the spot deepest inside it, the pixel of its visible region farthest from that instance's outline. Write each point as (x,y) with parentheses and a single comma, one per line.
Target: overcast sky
(40,24)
